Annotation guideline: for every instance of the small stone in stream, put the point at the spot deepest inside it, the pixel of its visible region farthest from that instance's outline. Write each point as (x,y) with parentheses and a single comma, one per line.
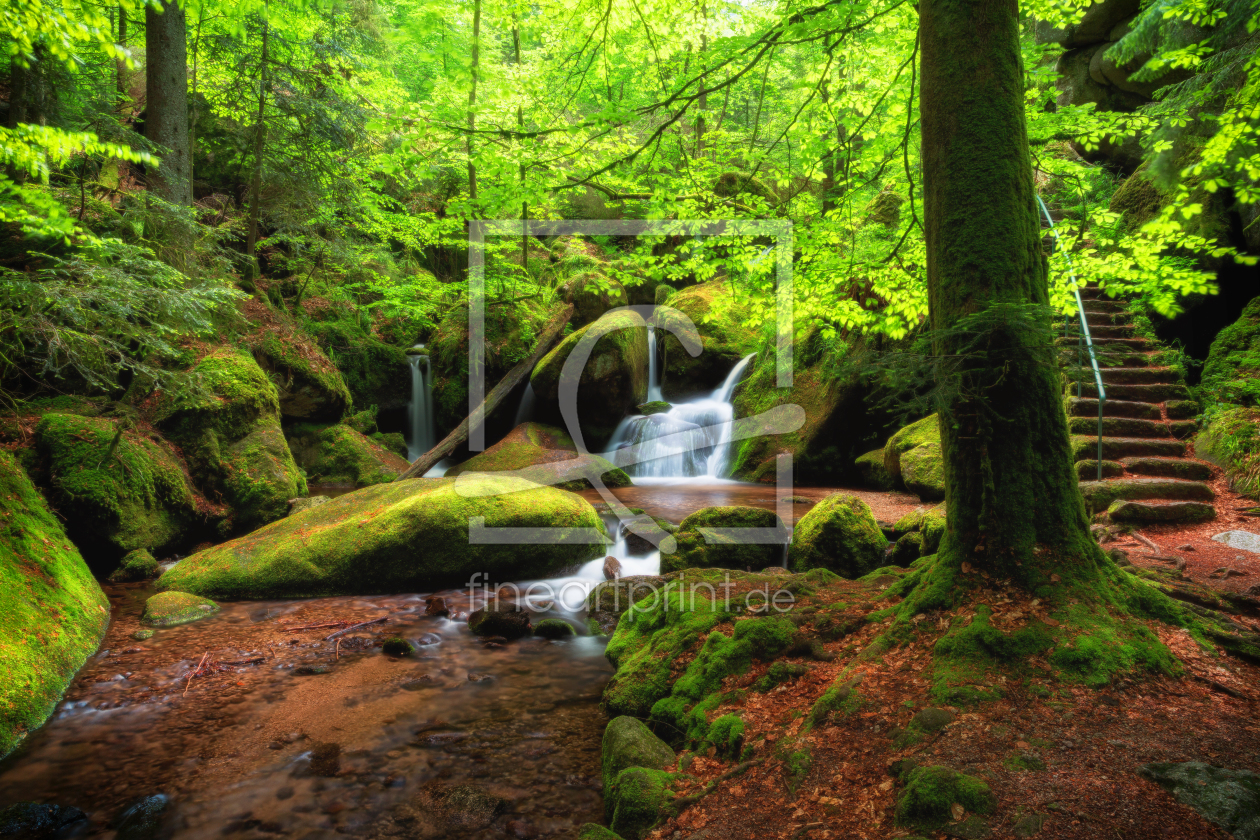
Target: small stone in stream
(429,639)
(36,821)
(436,605)
(612,568)
(479,677)
(284,793)
(500,618)
(470,807)
(142,635)
(143,819)
(554,628)
(311,670)
(397,646)
(422,682)
(325,759)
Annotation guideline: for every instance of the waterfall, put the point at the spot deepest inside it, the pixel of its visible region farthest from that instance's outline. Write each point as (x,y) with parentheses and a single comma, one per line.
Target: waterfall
(689,441)
(654,373)
(525,411)
(421,436)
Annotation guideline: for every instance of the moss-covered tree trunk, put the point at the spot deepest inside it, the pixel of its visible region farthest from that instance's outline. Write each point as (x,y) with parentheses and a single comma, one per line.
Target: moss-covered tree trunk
(166,92)
(1012,499)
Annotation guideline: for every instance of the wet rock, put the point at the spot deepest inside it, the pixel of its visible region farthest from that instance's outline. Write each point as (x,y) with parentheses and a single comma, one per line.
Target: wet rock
(476,678)
(429,639)
(500,618)
(422,682)
(1227,798)
(615,597)
(629,743)
(554,628)
(37,821)
(325,759)
(470,807)
(142,820)
(700,542)
(167,609)
(436,605)
(136,565)
(311,670)
(612,568)
(142,635)
(397,646)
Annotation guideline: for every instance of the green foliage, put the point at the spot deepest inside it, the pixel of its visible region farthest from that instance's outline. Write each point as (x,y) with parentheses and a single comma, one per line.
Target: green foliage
(931,792)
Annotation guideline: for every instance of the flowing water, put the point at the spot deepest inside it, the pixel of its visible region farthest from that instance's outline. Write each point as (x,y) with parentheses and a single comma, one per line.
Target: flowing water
(525,411)
(421,434)
(691,440)
(654,374)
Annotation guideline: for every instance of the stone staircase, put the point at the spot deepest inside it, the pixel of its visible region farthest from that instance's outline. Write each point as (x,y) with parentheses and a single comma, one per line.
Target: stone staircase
(1147,476)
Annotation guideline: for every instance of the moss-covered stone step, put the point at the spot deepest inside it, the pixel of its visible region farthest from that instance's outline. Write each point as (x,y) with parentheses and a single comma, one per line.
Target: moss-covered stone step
(1099,494)
(1139,375)
(1100,318)
(1183,429)
(1091,306)
(1182,409)
(1152,393)
(1115,448)
(1168,467)
(1158,511)
(1105,331)
(1119,427)
(1081,407)
(1088,470)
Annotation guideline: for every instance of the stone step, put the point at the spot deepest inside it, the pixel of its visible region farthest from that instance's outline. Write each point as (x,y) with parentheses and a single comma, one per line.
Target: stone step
(1108,345)
(1085,447)
(1160,511)
(1102,332)
(1100,319)
(1091,293)
(1168,467)
(1100,494)
(1088,470)
(1074,360)
(1104,305)
(1181,409)
(1139,375)
(1182,429)
(1152,393)
(1130,427)
(1077,407)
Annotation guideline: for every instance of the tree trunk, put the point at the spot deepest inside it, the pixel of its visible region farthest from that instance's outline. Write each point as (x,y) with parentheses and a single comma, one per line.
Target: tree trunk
(260,135)
(166,111)
(1013,506)
(120,66)
(472,100)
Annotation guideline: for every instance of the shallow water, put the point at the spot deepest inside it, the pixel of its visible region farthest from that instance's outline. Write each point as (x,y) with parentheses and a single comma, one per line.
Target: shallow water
(259,749)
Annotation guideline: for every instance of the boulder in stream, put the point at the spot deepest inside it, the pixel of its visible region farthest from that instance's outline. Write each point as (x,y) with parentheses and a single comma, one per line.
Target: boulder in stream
(545,455)
(500,618)
(839,533)
(167,609)
(53,613)
(142,820)
(340,455)
(136,565)
(405,536)
(700,545)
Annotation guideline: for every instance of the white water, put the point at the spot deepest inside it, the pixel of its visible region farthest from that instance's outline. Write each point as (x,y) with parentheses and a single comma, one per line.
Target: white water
(691,440)
(654,375)
(525,411)
(421,436)
(569,592)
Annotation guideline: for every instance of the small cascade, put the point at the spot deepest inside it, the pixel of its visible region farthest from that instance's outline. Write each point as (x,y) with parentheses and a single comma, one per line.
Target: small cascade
(525,411)
(654,372)
(421,435)
(691,440)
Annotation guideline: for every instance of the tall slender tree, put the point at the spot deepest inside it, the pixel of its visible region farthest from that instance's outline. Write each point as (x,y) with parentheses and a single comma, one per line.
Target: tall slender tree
(166,103)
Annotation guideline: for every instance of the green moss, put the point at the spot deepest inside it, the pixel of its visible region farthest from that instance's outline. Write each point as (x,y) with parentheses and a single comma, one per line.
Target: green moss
(698,546)
(930,792)
(553,628)
(231,394)
(136,565)
(341,455)
(964,659)
(364,422)
(167,609)
(1102,646)
(1231,439)
(591,831)
(796,766)
(308,384)
(260,477)
(545,455)
(718,315)
(840,534)
(406,536)
(1230,372)
(121,490)
(375,372)
(779,673)
(1023,763)
(727,735)
(627,743)
(391,442)
(918,433)
(52,612)
(640,797)
(397,646)
(874,474)
(923,472)
(841,699)
(592,294)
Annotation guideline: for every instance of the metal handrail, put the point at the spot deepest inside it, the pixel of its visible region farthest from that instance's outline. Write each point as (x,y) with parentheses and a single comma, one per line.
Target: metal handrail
(1083,340)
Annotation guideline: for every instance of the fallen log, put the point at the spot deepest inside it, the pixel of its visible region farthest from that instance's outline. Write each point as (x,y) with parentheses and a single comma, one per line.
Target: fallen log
(497,394)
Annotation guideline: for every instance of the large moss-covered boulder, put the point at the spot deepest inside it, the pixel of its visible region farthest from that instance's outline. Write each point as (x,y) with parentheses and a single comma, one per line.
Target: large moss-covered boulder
(118,488)
(52,612)
(919,433)
(510,336)
(698,546)
(612,382)
(545,455)
(228,426)
(340,455)
(839,533)
(923,472)
(638,799)
(136,565)
(716,312)
(592,294)
(874,474)
(307,382)
(629,743)
(1230,438)
(375,372)
(404,536)
(1231,373)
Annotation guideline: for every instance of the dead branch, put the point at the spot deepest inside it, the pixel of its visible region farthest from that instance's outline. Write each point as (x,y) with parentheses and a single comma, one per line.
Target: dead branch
(332,636)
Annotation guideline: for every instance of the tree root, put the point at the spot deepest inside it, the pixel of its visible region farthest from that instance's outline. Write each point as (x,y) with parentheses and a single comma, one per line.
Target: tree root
(683,802)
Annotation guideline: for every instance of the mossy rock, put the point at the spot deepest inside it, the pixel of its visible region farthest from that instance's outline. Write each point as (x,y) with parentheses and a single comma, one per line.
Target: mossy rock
(592,294)
(375,372)
(406,536)
(918,433)
(119,489)
(1231,373)
(500,618)
(874,474)
(136,565)
(617,596)
(629,743)
(1230,438)
(363,422)
(392,442)
(167,609)
(699,548)
(717,315)
(545,455)
(554,628)
(931,791)
(397,646)
(341,455)
(53,613)
(639,797)
(923,472)
(308,384)
(1227,798)
(839,533)
(609,386)
(261,477)
(591,831)
(654,407)
(230,395)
